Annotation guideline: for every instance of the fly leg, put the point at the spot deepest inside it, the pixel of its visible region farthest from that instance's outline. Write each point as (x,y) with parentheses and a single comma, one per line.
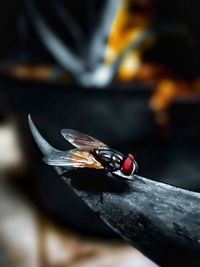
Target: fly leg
(101,197)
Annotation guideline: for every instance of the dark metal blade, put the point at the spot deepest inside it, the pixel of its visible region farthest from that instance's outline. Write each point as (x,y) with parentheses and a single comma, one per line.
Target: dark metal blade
(160,220)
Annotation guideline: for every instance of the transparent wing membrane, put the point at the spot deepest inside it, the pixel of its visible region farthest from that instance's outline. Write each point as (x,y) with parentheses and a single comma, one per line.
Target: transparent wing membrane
(81,140)
(74,158)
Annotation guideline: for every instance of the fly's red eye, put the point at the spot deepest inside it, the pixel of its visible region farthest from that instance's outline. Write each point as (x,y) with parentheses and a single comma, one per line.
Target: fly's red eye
(127,166)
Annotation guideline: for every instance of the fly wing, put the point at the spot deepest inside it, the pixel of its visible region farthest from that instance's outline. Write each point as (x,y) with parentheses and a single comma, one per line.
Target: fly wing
(81,140)
(74,158)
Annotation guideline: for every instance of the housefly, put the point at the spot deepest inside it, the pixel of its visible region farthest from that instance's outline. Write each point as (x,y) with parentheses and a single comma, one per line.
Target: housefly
(92,153)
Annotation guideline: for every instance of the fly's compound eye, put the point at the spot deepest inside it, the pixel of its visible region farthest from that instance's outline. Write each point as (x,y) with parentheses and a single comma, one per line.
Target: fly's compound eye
(128,165)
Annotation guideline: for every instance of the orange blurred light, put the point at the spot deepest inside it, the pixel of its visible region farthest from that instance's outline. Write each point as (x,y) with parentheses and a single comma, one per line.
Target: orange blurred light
(132,18)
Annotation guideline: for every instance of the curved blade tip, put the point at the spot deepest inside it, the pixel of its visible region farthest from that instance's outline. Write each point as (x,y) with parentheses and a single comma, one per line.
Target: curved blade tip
(43,145)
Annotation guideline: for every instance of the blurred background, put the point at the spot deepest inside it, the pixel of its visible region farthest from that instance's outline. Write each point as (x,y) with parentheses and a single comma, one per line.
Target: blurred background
(124,71)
